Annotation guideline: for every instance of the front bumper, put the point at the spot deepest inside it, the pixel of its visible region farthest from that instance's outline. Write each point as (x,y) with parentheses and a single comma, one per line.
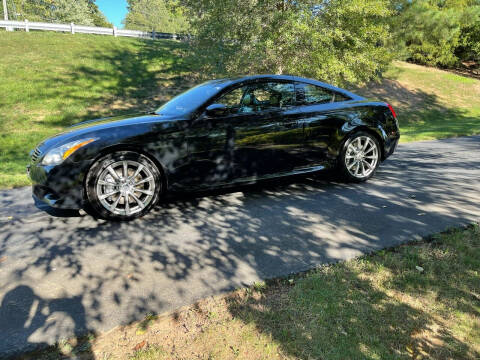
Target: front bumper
(59,186)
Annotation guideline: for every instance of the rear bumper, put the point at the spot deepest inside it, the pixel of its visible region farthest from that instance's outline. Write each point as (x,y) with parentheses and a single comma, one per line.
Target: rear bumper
(59,186)
(392,146)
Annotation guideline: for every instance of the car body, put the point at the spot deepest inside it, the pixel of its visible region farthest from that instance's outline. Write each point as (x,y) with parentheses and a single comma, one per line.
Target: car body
(222,132)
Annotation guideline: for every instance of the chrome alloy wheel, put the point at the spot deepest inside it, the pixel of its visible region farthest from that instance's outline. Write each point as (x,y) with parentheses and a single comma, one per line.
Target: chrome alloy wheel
(125,187)
(361,157)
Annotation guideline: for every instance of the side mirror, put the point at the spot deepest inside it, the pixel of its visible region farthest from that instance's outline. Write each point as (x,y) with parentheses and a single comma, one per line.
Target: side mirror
(216,110)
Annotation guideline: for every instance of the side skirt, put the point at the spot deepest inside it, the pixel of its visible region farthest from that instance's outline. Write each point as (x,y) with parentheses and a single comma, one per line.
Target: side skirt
(253,179)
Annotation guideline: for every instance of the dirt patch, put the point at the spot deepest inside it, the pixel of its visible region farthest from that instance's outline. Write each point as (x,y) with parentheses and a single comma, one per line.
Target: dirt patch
(397,94)
(188,333)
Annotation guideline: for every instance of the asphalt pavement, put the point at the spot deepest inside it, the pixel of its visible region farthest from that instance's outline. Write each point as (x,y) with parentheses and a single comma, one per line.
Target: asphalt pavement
(65,273)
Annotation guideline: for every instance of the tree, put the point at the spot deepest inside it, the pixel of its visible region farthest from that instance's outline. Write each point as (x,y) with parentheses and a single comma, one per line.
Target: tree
(155,15)
(97,16)
(469,47)
(438,32)
(83,12)
(76,11)
(33,10)
(335,40)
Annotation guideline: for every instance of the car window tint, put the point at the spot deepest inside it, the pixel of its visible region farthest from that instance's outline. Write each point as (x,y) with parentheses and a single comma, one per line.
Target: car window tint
(233,99)
(271,95)
(340,97)
(259,97)
(310,94)
(190,100)
(261,94)
(286,93)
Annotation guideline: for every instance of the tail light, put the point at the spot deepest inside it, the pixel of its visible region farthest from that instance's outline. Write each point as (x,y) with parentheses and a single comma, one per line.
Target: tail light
(393,111)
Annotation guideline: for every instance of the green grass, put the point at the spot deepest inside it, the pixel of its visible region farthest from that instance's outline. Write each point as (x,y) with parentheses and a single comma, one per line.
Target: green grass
(430,103)
(376,307)
(50,81)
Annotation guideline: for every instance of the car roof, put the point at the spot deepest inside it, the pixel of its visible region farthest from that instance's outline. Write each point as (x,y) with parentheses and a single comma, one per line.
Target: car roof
(228,82)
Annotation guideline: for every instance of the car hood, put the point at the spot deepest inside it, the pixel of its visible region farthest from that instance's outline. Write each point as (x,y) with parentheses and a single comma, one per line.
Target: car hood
(89,127)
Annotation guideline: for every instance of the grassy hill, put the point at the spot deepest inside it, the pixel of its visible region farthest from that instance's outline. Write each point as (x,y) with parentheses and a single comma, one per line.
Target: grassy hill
(430,103)
(49,81)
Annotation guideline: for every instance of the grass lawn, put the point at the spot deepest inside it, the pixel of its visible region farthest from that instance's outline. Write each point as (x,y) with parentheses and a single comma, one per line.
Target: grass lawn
(416,301)
(430,103)
(50,81)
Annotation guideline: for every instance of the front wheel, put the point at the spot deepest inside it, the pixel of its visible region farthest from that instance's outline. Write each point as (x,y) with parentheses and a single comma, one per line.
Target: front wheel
(123,185)
(360,157)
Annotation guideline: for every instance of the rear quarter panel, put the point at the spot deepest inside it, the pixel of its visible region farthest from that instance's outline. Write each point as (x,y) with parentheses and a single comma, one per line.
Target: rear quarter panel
(328,126)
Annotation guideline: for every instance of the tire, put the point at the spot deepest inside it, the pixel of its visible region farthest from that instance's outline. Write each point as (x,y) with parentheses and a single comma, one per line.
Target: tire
(360,157)
(123,186)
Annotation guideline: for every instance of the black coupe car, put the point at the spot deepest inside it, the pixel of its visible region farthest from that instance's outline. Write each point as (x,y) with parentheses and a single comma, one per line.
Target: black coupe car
(222,132)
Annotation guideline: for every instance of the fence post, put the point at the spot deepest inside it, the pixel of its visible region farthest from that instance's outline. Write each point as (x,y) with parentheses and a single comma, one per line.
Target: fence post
(5,15)
(114,31)
(72,27)
(27,28)
(153,34)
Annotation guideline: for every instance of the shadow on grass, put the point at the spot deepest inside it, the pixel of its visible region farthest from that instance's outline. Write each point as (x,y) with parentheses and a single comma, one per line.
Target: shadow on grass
(422,115)
(341,312)
(129,78)
(136,80)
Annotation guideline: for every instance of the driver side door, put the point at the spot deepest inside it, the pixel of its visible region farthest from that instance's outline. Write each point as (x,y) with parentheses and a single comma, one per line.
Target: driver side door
(251,139)
(211,143)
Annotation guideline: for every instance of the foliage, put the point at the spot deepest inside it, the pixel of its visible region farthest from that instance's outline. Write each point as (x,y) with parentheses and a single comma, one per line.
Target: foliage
(84,12)
(335,40)
(33,10)
(438,32)
(469,46)
(155,15)
(76,11)
(97,16)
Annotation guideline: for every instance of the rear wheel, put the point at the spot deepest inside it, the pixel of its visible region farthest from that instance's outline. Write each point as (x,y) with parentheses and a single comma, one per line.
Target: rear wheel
(360,157)
(123,185)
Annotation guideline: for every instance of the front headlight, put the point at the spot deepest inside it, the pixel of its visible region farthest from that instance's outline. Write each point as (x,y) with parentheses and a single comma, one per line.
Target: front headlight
(58,154)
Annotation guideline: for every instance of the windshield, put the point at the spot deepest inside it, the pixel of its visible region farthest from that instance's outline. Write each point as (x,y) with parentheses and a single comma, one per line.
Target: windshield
(190,100)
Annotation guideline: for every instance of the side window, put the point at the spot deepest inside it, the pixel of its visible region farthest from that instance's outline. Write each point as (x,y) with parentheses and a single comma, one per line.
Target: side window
(233,100)
(262,95)
(340,97)
(271,95)
(259,97)
(310,94)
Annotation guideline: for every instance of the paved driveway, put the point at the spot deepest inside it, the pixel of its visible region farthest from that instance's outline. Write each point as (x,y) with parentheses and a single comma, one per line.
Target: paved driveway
(66,274)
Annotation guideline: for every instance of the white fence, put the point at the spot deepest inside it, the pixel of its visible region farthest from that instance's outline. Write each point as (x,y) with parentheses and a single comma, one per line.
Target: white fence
(73,28)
